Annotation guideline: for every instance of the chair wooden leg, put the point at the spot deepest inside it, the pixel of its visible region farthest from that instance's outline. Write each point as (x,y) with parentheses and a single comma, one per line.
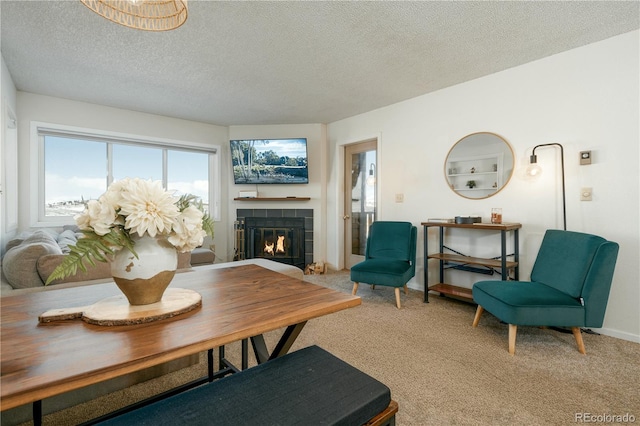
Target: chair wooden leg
(578,334)
(398,297)
(479,312)
(355,288)
(513,329)
(406,289)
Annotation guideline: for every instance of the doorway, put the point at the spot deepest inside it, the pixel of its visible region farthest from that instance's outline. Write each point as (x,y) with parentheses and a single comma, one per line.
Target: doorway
(360,204)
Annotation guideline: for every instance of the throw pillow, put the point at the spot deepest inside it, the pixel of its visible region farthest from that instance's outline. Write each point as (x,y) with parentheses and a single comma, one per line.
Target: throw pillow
(46,265)
(65,239)
(20,262)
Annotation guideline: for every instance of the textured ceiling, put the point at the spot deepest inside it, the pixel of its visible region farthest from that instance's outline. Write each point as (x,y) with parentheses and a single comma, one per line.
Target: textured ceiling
(243,62)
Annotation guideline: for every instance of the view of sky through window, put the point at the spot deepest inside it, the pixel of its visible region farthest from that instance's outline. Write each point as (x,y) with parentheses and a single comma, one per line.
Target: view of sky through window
(66,187)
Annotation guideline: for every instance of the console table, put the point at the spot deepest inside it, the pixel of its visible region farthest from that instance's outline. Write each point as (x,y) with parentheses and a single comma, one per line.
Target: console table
(460,261)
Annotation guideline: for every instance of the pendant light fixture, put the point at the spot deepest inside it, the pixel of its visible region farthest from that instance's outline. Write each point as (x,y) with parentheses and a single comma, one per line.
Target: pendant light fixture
(148,15)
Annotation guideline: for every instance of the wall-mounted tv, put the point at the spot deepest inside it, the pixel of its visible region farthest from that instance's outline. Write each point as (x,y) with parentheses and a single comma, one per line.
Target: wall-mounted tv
(269,161)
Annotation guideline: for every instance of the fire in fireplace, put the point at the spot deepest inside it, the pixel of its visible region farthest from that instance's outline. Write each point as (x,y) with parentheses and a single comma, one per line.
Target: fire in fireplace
(279,246)
(279,239)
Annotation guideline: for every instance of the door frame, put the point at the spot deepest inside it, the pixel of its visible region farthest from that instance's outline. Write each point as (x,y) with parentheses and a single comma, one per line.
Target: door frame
(370,144)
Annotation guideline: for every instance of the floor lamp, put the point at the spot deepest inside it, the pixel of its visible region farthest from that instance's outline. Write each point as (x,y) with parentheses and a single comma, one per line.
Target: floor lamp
(534,170)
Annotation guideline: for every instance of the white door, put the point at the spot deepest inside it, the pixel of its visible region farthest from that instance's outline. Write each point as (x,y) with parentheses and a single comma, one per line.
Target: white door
(360,205)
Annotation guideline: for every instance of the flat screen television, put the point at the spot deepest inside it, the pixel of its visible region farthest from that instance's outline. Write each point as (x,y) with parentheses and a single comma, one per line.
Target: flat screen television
(282,161)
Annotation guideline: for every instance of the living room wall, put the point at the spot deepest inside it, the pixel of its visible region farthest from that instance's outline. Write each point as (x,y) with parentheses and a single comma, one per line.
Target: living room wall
(584,99)
(8,172)
(316,188)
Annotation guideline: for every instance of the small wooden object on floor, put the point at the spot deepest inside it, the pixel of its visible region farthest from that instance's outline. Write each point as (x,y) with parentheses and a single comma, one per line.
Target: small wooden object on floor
(315,268)
(117,310)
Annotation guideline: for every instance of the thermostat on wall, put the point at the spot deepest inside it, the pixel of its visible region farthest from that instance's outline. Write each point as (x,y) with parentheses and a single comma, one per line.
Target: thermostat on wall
(248,194)
(585,157)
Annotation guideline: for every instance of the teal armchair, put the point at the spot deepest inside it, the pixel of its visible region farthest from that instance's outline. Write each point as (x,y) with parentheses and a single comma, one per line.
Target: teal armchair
(390,257)
(569,287)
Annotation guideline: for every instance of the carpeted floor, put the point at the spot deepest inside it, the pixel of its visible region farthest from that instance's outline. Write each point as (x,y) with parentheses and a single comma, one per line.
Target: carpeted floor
(443,371)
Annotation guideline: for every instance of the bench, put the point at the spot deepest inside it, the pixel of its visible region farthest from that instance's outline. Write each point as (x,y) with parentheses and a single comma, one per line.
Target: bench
(306,387)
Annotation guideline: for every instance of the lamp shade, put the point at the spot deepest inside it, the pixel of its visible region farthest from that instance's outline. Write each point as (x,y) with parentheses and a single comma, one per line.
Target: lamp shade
(534,170)
(148,15)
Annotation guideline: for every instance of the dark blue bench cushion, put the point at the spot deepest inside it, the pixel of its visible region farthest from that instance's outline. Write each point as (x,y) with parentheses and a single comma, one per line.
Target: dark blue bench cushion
(306,387)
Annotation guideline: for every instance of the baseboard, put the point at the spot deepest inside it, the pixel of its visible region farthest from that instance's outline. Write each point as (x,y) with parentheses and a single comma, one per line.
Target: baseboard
(618,334)
(605,331)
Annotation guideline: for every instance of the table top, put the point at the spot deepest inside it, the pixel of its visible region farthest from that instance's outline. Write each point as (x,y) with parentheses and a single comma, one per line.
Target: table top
(506,226)
(41,360)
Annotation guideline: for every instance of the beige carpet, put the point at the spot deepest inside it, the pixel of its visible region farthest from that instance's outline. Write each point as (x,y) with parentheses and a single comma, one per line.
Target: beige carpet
(441,370)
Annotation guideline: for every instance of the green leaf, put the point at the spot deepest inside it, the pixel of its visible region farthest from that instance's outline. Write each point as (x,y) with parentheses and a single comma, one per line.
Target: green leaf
(91,248)
(207,225)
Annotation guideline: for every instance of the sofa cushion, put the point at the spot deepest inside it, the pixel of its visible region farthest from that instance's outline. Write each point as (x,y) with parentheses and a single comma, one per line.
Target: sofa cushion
(184,260)
(15,242)
(19,239)
(19,263)
(46,264)
(67,238)
(202,256)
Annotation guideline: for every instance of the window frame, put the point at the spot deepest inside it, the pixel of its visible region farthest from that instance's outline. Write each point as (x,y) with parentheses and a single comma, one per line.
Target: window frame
(38,130)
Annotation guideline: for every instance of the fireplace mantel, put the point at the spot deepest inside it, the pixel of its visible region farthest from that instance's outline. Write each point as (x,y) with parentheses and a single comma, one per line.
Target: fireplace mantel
(272,198)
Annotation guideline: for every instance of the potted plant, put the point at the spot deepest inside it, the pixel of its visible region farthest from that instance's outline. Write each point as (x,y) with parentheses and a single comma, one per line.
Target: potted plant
(471,184)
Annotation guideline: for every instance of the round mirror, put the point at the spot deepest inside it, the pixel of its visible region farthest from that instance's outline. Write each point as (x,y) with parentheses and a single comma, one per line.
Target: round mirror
(479,165)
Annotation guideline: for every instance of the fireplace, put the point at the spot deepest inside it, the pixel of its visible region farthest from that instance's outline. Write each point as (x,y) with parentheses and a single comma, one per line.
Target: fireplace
(282,235)
(279,239)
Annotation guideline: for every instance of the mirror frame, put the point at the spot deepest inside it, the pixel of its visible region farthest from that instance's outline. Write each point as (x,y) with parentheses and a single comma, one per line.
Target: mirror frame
(448,175)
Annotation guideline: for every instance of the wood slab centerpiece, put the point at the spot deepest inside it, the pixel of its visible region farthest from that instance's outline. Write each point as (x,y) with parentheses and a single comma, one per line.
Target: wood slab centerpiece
(117,310)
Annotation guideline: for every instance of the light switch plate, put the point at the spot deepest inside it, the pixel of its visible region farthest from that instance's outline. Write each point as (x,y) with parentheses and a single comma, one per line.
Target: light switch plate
(585,157)
(586,194)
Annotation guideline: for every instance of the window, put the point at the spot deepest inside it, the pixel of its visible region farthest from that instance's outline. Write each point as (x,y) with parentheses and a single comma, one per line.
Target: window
(76,165)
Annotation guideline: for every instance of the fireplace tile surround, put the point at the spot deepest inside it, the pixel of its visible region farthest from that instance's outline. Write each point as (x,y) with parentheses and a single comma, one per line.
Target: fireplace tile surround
(306,214)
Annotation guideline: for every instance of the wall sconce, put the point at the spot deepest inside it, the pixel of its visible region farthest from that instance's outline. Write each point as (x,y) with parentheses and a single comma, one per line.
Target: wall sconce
(535,170)
(371,179)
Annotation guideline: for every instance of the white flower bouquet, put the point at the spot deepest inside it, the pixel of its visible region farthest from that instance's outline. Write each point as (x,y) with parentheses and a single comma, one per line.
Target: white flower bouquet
(134,206)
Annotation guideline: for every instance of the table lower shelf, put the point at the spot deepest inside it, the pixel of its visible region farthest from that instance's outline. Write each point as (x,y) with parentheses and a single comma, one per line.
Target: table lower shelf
(452,290)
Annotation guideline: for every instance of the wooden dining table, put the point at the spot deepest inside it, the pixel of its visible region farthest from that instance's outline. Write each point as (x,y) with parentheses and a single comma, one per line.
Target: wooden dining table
(40,360)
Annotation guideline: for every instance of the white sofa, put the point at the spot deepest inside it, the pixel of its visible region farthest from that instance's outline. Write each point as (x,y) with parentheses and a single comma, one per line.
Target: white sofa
(33,255)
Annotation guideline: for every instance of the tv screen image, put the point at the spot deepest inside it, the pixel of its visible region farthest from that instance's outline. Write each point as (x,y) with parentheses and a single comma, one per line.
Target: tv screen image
(269,161)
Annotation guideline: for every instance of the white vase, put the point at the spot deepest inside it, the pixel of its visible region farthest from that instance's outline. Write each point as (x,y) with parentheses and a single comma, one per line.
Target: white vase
(144,279)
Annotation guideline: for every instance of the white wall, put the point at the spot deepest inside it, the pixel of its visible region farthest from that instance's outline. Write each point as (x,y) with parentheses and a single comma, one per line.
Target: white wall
(8,171)
(316,188)
(7,89)
(585,99)
(48,109)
